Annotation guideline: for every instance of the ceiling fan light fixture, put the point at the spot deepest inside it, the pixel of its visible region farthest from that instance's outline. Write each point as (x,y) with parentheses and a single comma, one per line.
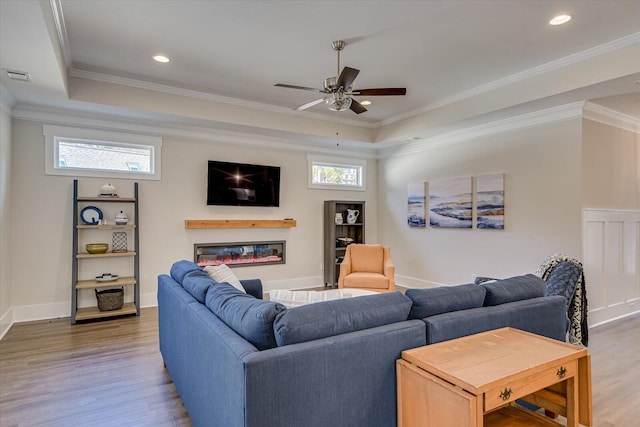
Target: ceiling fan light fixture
(338,103)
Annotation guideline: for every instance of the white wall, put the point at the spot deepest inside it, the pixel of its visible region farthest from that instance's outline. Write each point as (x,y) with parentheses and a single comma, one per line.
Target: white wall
(5,259)
(42,209)
(611,198)
(542,167)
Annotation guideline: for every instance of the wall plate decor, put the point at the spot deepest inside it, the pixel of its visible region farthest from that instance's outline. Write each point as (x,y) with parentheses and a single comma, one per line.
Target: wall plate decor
(91,215)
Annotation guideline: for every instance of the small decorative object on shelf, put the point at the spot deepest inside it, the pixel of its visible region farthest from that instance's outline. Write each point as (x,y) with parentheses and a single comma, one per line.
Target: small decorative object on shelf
(110,299)
(352,216)
(97,248)
(121,218)
(119,243)
(108,190)
(339,218)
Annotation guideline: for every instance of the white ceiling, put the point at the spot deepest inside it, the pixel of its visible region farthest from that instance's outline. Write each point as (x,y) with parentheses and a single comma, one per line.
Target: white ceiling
(233,52)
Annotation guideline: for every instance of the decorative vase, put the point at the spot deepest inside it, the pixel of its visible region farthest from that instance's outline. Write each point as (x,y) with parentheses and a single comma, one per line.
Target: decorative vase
(121,218)
(339,218)
(119,242)
(108,189)
(352,216)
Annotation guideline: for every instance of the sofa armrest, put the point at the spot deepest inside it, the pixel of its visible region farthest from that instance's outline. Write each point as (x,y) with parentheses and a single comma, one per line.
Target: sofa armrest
(253,287)
(345,270)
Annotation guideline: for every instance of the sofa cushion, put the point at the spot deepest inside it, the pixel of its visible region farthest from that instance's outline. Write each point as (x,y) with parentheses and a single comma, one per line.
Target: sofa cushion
(514,289)
(325,319)
(366,280)
(197,283)
(222,273)
(432,301)
(367,258)
(249,317)
(181,268)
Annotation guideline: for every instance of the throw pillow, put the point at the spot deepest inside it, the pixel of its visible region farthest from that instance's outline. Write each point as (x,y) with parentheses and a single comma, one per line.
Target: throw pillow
(514,289)
(222,273)
(444,299)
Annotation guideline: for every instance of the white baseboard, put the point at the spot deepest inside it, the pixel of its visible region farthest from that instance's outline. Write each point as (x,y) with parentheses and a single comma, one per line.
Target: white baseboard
(411,282)
(29,313)
(6,321)
(604,322)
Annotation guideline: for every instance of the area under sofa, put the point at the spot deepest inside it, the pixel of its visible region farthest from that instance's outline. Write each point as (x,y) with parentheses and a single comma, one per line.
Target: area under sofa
(237,360)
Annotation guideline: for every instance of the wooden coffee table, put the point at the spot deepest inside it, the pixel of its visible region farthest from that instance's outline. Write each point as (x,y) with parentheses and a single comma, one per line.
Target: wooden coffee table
(473,381)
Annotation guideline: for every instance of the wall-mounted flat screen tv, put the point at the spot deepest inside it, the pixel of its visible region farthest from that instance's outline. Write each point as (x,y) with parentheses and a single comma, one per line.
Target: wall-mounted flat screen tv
(239,184)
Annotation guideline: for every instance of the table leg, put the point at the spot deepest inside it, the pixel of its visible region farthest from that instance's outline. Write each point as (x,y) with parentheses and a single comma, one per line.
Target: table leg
(572,401)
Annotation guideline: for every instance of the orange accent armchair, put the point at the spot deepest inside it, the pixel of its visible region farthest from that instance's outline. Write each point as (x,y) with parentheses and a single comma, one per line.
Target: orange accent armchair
(367,267)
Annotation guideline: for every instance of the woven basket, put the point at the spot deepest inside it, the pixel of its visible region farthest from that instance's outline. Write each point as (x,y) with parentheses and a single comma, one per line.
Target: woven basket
(110,299)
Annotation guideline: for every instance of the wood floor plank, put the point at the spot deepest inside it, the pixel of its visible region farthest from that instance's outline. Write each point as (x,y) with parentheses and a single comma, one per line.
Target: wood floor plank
(110,373)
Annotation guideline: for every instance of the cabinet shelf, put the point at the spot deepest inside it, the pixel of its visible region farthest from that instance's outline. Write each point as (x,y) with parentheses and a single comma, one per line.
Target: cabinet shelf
(106,227)
(120,281)
(87,313)
(107,199)
(80,286)
(333,232)
(105,255)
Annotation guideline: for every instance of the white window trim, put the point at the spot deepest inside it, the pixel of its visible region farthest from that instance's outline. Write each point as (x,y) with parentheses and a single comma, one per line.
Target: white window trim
(312,158)
(52,167)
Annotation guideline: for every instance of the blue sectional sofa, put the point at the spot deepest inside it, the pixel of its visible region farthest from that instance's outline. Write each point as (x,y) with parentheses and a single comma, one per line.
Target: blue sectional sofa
(238,360)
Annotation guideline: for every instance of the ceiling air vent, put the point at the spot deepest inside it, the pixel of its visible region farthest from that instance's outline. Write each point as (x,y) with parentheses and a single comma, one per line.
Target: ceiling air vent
(19,75)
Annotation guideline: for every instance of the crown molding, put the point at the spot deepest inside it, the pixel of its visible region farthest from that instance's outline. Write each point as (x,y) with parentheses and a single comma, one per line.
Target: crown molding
(162,128)
(61,29)
(537,118)
(607,116)
(207,96)
(523,75)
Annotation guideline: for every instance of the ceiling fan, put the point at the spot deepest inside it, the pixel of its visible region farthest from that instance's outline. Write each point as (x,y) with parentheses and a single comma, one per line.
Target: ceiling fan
(339,90)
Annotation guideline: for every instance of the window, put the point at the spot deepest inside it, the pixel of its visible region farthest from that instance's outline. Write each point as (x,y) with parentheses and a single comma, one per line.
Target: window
(93,153)
(345,174)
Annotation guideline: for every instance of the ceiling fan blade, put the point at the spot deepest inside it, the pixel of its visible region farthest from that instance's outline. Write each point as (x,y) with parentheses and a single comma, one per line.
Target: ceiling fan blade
(300,87)
(347,76)
(309,104)
(380,91)
(356,107)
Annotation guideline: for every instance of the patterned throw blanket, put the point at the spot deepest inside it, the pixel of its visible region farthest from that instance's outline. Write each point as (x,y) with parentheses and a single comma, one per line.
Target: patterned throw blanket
(570,283)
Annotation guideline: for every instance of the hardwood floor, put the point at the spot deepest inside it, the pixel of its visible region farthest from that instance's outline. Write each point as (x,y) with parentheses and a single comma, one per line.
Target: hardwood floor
(110,373)
(107,373)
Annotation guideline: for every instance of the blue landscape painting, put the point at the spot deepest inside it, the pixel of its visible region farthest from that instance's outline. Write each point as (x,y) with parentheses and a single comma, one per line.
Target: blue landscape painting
(490,200)
(416,205)
(450,203)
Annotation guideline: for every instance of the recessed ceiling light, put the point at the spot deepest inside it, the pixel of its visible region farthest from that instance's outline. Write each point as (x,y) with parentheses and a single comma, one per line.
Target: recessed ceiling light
(560,19)
(161,58)
(365,103)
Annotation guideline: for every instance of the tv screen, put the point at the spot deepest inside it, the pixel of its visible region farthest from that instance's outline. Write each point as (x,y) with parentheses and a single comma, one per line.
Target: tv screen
(239,184)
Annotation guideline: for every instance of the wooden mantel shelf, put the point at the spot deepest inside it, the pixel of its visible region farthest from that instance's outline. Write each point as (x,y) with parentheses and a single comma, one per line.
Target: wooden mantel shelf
(239,223)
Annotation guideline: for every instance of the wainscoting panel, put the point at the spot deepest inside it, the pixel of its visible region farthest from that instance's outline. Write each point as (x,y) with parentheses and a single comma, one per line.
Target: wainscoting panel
(611,258)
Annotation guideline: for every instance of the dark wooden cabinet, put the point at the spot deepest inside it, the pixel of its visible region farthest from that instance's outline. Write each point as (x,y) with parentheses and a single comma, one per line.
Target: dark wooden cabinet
(338,236)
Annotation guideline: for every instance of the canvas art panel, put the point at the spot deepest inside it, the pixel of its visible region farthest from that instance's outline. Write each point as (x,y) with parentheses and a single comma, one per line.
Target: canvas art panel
(490,201)
(450,203)
(416,205)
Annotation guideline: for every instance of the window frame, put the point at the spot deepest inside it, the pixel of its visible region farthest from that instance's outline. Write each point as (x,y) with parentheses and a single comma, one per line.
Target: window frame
(359,164)
(53,135)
